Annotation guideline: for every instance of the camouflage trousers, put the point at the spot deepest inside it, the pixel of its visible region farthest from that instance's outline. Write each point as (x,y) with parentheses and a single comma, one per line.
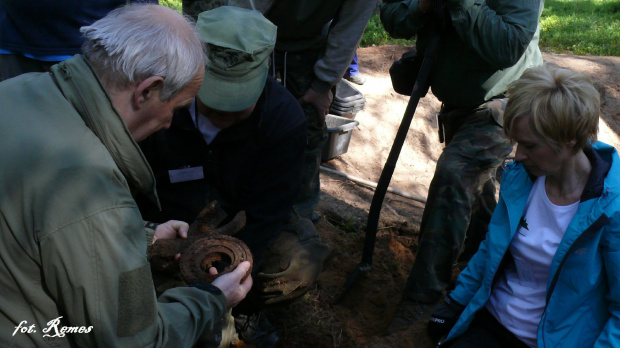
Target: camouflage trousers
(461,197)
(296,71)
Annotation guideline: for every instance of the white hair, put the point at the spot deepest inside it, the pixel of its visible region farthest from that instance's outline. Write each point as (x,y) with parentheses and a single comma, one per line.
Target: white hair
(135,42)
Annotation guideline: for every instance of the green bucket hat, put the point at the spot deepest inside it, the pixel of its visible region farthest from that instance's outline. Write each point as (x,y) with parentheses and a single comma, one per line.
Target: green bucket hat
(239,42)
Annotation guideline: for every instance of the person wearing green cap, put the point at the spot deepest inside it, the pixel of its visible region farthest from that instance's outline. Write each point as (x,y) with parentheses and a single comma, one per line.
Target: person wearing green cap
(311,56)
(242,143)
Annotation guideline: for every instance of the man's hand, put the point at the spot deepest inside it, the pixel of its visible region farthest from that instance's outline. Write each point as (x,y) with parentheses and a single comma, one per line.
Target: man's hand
(320,101)
(170,230)
(231,284)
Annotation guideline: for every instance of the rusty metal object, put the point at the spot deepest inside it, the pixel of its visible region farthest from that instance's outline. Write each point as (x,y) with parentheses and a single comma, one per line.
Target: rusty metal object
(209,218)
(205,246)
(208,252)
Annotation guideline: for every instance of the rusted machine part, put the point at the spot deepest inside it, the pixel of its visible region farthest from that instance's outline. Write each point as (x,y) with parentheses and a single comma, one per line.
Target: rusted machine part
(208,219)
(233,226)
(211,216)
(207,252)
(162,253)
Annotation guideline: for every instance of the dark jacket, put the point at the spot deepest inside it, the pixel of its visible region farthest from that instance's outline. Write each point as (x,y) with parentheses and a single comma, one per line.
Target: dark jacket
(302,26)
(254,166)
(487,45)
(48,27)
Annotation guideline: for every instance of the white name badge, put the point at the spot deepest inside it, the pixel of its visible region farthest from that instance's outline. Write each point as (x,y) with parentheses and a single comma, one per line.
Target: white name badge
(186,174)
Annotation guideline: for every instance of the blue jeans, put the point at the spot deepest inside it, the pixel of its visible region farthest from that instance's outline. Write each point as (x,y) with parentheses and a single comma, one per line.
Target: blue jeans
(353,69)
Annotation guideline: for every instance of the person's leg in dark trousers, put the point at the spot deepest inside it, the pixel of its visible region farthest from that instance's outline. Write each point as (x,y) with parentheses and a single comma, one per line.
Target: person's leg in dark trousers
(296,71)
(475,148)
(478,224)
(486,332)
(12,65)
(459,197)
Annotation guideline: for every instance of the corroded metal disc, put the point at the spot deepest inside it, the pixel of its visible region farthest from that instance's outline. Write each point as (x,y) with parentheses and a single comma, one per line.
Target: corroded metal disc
(208,251)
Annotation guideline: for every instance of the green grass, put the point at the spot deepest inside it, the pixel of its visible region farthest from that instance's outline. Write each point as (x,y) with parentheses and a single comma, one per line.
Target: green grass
(375,35)
(173,4)
(586,27)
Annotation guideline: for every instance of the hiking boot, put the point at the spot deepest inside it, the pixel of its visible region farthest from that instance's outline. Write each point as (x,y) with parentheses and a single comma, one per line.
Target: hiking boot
(254,329)
(409,312)
(357,79)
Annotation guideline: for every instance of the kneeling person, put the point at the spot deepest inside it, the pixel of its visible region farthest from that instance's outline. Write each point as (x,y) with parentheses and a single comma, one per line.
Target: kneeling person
(241,143)
(547,273)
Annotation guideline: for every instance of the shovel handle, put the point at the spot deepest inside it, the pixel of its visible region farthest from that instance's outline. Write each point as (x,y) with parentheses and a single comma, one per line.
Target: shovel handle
(419,90)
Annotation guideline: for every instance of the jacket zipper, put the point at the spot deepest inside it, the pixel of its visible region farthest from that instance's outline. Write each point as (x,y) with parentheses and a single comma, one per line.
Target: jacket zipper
(597,225)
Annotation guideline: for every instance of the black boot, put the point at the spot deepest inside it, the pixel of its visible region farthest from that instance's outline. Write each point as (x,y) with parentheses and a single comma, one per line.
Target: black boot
(256,330)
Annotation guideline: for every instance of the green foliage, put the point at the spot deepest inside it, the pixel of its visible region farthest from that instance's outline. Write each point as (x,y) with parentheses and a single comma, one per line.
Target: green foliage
(375,35)
(173,4)
(586,27)
(348,226)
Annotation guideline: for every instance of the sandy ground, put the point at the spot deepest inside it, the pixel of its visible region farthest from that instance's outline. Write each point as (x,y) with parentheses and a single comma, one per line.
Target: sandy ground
(361,317)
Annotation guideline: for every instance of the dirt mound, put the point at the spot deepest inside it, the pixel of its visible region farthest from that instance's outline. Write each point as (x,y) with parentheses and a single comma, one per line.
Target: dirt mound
(361,317)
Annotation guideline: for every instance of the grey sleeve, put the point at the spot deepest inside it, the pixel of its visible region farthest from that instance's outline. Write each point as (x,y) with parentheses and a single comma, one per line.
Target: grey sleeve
(342,42)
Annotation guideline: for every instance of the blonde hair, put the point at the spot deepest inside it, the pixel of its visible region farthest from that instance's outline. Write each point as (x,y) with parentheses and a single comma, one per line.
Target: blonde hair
(562,105)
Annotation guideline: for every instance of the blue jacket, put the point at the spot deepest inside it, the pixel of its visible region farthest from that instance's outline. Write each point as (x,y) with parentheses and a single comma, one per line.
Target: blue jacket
(583,291)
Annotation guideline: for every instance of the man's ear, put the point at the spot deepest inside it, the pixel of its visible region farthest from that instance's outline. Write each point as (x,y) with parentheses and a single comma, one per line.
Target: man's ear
(147,90)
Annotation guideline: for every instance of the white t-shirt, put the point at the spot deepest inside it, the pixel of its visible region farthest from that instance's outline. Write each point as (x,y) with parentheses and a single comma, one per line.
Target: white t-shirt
(207,129)
(518,297)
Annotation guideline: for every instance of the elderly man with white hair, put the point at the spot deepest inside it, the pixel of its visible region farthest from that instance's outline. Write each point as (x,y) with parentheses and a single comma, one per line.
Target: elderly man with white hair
(73,266)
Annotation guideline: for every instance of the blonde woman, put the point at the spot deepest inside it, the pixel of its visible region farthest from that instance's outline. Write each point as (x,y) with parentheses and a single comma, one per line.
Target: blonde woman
(548,273)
